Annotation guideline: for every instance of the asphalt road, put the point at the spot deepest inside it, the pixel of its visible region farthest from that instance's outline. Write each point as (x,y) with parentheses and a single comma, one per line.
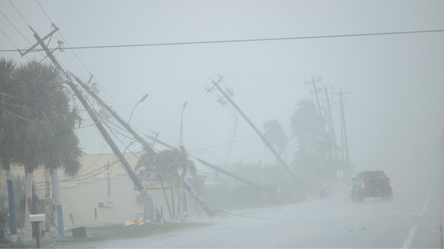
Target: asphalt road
(411,220)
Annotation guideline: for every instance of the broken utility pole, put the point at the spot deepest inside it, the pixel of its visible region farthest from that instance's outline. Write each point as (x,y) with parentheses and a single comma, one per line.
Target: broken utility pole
(270,147)
(100,127)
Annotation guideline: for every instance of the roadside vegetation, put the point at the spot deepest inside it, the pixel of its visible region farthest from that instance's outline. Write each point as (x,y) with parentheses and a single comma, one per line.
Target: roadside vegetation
(38,119)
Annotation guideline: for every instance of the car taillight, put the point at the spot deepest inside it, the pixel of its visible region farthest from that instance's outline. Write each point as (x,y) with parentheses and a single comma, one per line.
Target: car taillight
(390,182)
(362,184)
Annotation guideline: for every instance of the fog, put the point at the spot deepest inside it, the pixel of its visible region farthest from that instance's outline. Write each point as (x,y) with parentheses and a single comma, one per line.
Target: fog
(394,83)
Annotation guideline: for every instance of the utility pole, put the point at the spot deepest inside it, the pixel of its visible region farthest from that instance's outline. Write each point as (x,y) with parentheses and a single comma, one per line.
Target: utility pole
(332,127)
(97,122)
(216,84)
(344,128)
(344,139)
(109,185)
(315,90)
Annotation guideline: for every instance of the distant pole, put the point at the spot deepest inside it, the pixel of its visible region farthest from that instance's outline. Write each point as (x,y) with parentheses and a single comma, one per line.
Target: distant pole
(344,128)
(335,148)
(109,184)
(95,215)
(320,117)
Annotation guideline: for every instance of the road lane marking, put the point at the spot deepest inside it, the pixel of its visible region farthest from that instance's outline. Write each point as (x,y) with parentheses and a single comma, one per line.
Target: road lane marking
(425,204)
(409,238)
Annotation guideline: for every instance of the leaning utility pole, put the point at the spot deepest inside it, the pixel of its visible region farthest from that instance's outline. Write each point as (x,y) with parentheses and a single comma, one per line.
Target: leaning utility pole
(97,122)
(140,140)
(332,127)
(284,164)
(344,129)
(315,90)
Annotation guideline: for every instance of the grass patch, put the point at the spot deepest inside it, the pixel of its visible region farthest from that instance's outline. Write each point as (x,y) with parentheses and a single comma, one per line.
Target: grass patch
(117,232)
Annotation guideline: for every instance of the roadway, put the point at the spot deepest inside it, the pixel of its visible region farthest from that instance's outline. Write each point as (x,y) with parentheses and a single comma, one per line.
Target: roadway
(411,220)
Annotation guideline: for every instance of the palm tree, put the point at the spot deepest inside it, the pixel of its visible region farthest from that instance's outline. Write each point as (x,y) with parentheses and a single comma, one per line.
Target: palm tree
(8,132)
(275,134)
(166,164)
(63,151)
(47,128)
(312,142)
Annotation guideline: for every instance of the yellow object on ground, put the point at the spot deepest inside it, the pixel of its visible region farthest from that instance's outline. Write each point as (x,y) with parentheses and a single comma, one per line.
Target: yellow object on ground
(130,223)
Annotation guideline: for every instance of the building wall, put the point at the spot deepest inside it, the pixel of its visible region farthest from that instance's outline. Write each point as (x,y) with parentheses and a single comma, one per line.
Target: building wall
(82,199)
(81,194)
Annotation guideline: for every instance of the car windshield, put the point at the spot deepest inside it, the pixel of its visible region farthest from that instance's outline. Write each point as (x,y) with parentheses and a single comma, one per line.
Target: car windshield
(373,174)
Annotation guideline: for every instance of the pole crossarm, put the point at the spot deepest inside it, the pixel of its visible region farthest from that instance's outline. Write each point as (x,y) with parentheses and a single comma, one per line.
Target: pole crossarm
(35,45)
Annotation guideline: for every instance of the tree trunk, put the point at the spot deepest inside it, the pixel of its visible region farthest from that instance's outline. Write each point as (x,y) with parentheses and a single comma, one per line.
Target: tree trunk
(54,202)
(172,202)
(166,197)
(58,206)
(12,218)
(28,207)
(47,200)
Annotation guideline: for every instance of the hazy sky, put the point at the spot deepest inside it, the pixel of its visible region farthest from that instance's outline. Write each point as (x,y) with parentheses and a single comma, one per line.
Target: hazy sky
(394,110)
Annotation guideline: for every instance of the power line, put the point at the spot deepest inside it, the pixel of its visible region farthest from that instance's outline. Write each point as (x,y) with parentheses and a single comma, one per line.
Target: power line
(13,43)
(206,126)
(69,47)
(247,40)
(15,29)
(44,11)
(19,14)
(21,106)
(28,101)
(18,116)
(212,151)
(221,145)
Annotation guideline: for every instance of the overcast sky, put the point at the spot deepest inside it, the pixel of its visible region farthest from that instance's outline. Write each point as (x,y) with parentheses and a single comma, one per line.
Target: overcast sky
(394,110)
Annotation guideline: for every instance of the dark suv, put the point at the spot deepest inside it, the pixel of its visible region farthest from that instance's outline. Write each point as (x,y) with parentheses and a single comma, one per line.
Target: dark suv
(371,184)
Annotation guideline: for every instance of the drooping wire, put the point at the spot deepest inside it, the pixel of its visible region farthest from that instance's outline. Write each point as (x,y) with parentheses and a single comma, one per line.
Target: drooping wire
(221,145)
(224,149)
